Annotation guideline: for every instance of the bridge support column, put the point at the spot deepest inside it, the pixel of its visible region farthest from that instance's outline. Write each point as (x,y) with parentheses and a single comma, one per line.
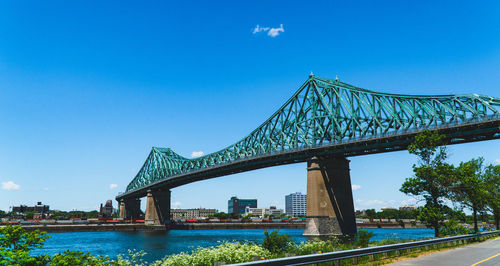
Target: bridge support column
(330,207)
(158,207)
(130,208)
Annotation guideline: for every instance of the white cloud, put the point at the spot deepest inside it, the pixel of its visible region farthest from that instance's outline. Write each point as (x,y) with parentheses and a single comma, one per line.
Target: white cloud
(195,154)
(45,188)
(176,204)
(111,186)
(409,202)
(272,32)
(497,161)
(9,185)
(356,187)
(370,202)
(259,29)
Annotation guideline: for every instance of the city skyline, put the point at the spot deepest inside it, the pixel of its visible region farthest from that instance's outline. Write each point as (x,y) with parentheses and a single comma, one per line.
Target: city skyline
(85,92)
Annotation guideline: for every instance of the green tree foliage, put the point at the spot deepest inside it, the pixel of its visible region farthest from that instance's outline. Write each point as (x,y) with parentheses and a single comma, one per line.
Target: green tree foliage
(93,214)
(492,187)
(15,245)
(452,227)
(469,187)
(276,243)
(432,178)
(2,214)
(363,238)
(29,215)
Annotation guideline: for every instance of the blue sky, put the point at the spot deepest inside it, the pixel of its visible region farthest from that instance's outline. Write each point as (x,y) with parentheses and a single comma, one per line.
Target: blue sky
(88,87)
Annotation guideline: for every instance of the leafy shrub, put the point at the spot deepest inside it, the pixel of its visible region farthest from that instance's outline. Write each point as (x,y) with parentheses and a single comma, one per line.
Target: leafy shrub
(133,257)
(363,238)
(79,258)
(452,227)
(15,245)
(226,252)
(314,246)
(276,243)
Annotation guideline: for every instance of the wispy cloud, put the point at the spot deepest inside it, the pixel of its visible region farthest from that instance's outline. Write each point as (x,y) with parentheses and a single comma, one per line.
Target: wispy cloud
(356,187)
(497,161)
(176,204)
(10,185)
(272,32)
(45,188)
(370,202)
(258,29)
(195,154)
(111,186)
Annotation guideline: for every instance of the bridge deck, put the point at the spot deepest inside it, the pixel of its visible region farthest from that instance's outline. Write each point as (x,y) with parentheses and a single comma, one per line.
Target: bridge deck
(476,130)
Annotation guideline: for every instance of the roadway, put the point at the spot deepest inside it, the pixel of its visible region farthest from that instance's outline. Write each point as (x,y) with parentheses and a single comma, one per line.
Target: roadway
(486,253)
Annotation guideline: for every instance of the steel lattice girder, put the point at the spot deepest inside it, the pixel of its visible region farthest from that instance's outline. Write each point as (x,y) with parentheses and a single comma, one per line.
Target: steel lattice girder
(323,112)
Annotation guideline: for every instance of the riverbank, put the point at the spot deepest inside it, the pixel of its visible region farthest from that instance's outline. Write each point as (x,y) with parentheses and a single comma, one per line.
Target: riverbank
(189,226)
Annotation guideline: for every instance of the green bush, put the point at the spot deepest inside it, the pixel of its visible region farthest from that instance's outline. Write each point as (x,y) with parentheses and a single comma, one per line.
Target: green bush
(276,243)
(452,227)
(363,238)
(79,258)
(15,245)
(315,246)
(226,252)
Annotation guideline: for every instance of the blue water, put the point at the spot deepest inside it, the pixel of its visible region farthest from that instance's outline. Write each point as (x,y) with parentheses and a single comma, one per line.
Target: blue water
(159,244)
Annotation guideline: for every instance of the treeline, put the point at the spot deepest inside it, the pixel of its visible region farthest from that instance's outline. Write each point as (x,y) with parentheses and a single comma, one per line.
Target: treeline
(55,214)
(471,185)
(390,214)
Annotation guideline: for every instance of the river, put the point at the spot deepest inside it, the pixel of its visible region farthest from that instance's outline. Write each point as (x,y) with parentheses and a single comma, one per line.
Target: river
(159,244)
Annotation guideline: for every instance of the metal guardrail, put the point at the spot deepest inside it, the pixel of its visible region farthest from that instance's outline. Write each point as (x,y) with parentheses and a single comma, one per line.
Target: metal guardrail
(355,253)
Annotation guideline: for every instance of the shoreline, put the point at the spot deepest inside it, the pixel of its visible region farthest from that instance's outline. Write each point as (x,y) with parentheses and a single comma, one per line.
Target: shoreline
(133,227)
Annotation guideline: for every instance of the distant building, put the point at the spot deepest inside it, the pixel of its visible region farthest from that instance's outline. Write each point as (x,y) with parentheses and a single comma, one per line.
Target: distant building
(295,204)
(38,208)
(262,212)
(191,214)
(387,208)
(407,208)
(237,206)
(106,211)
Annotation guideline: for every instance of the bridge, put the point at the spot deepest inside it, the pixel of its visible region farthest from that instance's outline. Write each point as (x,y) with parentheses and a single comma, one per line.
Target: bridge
(324,122)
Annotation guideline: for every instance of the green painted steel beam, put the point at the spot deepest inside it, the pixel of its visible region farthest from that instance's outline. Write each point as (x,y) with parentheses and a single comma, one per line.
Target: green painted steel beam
(323,112)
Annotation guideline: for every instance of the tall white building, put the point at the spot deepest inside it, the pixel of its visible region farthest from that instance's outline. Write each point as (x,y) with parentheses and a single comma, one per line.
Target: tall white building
(295,204)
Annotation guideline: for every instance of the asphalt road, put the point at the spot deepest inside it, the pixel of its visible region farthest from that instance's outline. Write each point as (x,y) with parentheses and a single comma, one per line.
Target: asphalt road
(480,254)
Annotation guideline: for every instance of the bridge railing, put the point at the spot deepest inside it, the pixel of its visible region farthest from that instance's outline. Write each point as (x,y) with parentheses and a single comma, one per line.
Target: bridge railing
(343,141)
(357,139)
(370,251)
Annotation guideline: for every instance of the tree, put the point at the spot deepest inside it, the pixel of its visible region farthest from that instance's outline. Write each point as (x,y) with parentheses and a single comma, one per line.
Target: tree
(29,215)
(92,214)
(15,245)
(492,187)
(370,213)
(431,180)
(469,187)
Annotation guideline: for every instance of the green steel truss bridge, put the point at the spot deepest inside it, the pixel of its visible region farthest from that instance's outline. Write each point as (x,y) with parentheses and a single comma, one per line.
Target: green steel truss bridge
(326,118)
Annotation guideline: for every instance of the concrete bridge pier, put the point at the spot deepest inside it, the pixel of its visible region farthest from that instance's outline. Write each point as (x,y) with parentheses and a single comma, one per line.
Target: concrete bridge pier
(330,207)
(158,207)
(130,208)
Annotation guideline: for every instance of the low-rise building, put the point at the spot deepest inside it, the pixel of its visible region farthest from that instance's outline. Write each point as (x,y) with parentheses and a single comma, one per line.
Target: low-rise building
(237,206)
(191,214)
(38,208)
(263,212)
(407,208)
